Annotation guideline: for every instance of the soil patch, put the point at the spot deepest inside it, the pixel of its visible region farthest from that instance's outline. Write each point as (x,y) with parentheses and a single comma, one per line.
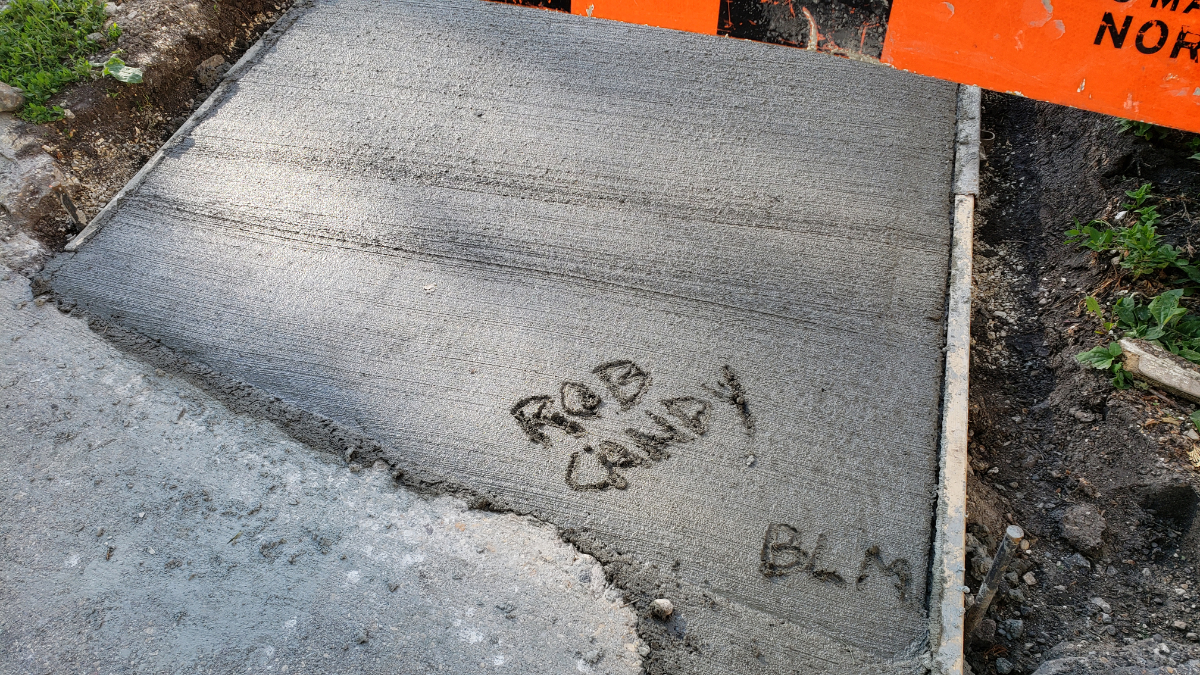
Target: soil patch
(113,128)
(1099,478)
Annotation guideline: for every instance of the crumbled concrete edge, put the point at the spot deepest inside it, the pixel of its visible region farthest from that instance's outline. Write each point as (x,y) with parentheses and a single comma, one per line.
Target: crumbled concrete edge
(227,86)
(1149,362)
(946,606)
(637,583)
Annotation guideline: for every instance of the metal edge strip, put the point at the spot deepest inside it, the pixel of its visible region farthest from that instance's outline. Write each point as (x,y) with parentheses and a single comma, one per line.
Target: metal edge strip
(227,85)
(947,607)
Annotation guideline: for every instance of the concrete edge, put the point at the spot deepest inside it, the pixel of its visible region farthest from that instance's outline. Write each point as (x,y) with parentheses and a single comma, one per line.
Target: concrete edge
(966,141)
(228,83)
(947,607)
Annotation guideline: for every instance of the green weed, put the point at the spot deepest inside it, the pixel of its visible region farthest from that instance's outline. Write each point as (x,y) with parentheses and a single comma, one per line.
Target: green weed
(1105,358)
(114,32)
(44,46)
(1163,322)
(1139,245)
(1143,130)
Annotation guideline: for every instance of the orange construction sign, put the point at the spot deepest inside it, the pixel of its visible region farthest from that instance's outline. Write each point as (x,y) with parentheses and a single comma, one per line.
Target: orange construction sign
(688,15)
(1135,59)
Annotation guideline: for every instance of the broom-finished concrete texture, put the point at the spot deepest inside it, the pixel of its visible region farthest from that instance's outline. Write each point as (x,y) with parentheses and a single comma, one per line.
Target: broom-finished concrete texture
(148,529)
(680,296)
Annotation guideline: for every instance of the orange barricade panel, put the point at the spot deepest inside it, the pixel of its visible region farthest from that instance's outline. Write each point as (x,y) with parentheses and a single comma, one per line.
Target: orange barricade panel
(1138,59)
(696,16)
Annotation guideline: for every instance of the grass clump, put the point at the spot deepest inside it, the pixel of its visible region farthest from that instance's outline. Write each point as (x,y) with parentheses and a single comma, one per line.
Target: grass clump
(44,46)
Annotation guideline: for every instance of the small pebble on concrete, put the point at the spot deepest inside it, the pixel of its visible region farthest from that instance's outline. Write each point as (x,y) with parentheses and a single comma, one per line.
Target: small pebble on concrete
(662,608)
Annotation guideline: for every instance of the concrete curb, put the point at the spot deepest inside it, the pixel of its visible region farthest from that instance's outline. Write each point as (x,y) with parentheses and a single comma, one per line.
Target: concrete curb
(946,604)
(226,87)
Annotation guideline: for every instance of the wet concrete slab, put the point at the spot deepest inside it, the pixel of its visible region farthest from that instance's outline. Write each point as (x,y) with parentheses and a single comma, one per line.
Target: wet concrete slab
(680,296)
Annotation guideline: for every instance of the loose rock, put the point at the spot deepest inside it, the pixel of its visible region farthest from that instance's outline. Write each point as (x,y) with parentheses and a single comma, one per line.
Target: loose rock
(210,70)
(1083,527)
(1076,560)
(11,98)
(1004,666)
(662,608)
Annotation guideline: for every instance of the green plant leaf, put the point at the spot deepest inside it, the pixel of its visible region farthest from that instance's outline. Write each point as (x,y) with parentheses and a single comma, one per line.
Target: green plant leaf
(1120,378)
(1165,308)
(119,71)
(1195,417)
(1139,196)
(1126,311)
(1192,271)
(1195,157)
(1100,358)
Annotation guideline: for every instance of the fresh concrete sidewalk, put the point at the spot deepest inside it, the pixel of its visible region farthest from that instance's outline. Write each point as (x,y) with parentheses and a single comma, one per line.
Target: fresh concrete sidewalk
(145,528)
(680,296)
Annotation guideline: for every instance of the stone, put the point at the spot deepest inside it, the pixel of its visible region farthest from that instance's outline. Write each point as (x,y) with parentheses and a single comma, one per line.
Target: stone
(1029,579)
(593,657)
(986,632)
(1104,606)
(1076,560)
(1015,628)
(210,70)
(1083,527)
(11,98)
(95,37)
(1004,666)
(1179,625)
(662,608)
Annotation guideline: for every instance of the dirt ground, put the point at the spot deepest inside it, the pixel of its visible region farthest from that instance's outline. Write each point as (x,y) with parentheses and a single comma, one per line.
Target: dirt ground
(112,128)
(1053,445)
